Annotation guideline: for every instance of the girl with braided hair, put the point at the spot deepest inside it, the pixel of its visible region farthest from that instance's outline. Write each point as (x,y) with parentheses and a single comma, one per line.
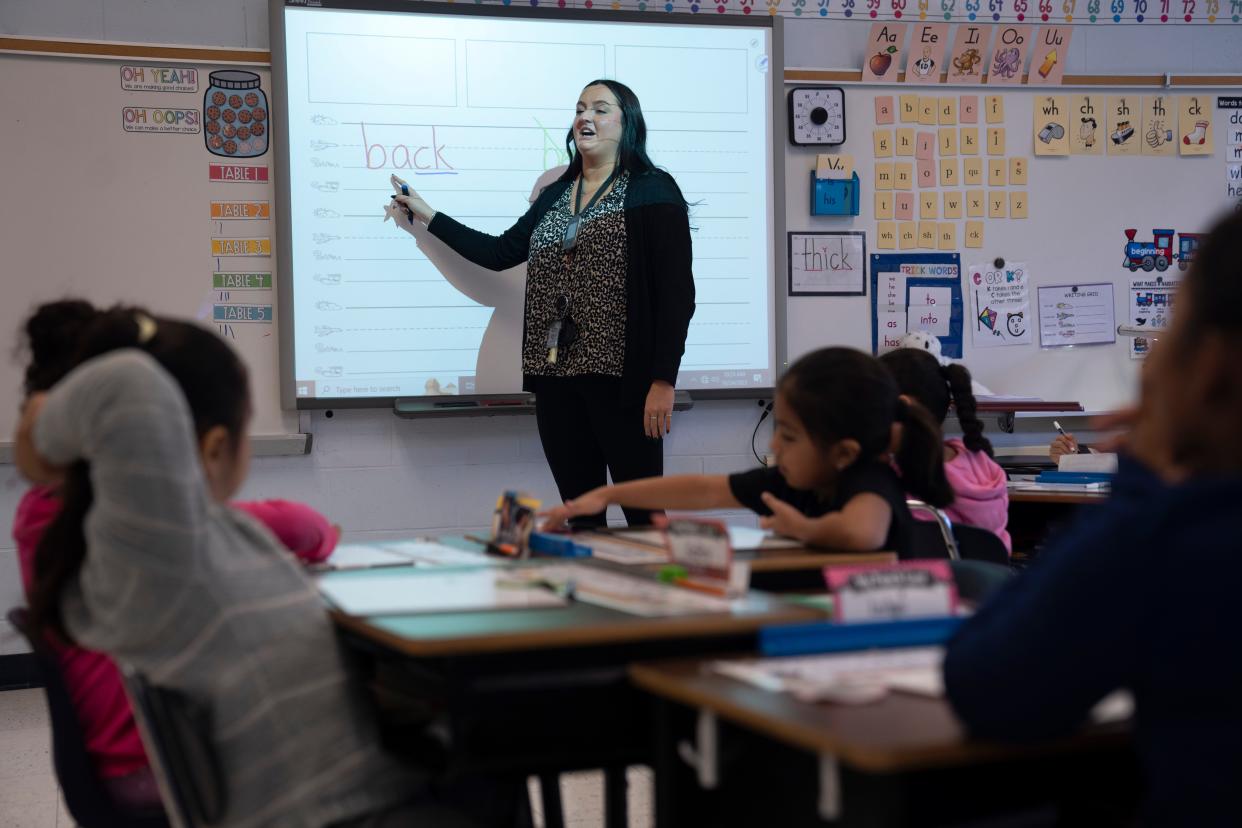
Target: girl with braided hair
(981,497)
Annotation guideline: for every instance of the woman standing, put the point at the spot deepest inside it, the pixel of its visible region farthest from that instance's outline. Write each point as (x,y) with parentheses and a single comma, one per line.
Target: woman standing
(609,296)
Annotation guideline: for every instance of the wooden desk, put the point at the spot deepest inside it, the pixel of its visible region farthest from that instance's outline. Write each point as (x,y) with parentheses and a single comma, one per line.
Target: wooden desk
(538,691)
(892,762)
(1033,514)
(1076,498)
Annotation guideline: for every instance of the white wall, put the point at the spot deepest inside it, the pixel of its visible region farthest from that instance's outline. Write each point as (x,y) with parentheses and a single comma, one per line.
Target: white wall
(379,476)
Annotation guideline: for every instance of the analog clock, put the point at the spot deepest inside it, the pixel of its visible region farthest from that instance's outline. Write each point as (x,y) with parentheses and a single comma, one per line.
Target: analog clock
(817,115)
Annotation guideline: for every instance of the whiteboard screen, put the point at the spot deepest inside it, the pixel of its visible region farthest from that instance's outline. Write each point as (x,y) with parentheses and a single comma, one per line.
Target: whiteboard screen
(473,111)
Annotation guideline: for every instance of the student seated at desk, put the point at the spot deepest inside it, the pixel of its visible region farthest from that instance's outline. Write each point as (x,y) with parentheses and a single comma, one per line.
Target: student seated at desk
(980,488)
(1142,593)
(837,418)
(50,336)
(144,562)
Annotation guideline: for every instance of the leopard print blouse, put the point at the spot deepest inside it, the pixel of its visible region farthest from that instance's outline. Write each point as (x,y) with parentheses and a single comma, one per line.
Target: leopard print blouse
(592,275)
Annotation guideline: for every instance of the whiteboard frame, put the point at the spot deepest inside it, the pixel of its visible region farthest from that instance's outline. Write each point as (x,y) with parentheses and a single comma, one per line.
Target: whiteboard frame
(280,171)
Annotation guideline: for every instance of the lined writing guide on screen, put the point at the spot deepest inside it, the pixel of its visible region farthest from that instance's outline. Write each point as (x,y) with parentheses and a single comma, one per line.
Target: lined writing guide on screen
(473,112)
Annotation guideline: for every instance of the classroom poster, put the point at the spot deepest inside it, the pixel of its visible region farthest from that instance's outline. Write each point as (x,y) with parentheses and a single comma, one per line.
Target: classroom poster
(883,54)
(1009,55)
(1048,55)
(1151,304)
(1052,125)
(1125,117)
(1087,122)
(827,263)
(1195,128)
(916,292)
(1159,126)
(966,58)
(1001,305)
(927,46)
(1076,315)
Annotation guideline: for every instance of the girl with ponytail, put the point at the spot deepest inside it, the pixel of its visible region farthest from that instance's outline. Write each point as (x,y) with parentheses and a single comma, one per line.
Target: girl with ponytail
(839,427)
(981,494)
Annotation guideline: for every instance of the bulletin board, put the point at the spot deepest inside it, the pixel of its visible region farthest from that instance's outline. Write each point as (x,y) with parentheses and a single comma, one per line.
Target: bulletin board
(1074,212)
(121,197)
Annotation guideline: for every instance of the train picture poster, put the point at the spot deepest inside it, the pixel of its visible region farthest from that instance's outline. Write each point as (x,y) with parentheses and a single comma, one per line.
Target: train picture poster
(1076,315)
(1151,301)
(1000,305)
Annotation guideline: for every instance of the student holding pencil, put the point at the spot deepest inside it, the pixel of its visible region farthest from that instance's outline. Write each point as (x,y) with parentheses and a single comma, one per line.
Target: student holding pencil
(144,562)
(838,424)
(1142,592)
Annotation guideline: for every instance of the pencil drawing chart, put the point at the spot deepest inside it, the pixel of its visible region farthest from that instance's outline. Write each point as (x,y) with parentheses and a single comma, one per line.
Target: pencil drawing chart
(476,123)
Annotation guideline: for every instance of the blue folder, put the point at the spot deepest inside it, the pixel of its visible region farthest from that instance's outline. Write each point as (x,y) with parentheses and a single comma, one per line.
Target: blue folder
(830,637)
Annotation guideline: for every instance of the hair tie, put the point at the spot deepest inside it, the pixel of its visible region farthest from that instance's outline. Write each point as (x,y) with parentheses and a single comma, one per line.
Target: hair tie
(146,328)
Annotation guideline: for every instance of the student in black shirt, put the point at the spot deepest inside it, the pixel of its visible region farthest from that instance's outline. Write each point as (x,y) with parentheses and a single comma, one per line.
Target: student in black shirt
(840,424)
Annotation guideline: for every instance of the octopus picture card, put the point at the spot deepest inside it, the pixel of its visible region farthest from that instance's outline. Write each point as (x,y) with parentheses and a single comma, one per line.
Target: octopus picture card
(1009,55)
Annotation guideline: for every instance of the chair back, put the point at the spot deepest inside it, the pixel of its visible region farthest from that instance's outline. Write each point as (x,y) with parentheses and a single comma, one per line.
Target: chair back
(977,544)
(88,800)
(942,527)
(176,732)
(977,580)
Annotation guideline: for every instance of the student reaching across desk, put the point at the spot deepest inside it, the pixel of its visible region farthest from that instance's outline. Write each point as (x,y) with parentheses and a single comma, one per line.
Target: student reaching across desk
(837,420)
(1142,593)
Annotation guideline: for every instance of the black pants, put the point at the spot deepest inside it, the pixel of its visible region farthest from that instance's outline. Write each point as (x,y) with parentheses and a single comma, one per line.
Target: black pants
(592,426)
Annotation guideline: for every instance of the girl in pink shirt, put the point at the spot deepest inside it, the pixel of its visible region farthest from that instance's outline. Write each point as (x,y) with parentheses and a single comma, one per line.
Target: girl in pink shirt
(979,484)
(93,681)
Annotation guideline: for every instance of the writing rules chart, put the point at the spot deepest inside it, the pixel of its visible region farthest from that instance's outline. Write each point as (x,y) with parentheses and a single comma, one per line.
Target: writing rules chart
(474,113)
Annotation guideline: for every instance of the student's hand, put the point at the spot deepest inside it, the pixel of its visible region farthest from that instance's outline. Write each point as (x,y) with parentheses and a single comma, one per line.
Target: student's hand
(658,411)
(414,202)
(785,519)
(591,503)
(26,456)
(1062,445)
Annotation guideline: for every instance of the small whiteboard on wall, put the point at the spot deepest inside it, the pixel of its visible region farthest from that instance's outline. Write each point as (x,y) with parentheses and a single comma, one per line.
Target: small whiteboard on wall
(828,263)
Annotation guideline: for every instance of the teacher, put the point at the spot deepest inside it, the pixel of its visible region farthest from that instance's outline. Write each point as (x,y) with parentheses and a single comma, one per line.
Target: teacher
(609,296)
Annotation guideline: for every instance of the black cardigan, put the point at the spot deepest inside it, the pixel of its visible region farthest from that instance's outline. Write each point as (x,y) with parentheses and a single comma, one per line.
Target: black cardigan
(659,281)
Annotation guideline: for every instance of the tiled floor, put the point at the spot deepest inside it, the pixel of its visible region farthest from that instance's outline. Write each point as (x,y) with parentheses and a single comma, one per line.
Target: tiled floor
(30,798)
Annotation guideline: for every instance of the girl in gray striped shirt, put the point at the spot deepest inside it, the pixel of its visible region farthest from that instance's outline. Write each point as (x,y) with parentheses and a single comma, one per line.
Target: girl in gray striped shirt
(151,567)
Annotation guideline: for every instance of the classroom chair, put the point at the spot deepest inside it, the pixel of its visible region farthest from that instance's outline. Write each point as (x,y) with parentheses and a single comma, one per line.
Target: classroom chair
(175,734)
(940,526)
(977,580)
(88,801)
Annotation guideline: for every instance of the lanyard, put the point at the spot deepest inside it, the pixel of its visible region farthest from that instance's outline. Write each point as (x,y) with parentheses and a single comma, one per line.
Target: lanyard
(571,230)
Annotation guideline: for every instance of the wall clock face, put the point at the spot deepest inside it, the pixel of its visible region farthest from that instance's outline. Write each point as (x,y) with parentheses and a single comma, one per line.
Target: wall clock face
(817,115)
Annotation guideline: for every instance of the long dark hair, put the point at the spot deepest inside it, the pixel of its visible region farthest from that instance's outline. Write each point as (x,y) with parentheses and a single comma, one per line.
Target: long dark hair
(50,336)
(920,376)
(214,382)
(841,393)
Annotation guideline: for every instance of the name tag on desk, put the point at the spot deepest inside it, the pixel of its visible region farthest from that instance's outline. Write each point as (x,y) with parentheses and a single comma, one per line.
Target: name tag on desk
(911,589)
(702,549)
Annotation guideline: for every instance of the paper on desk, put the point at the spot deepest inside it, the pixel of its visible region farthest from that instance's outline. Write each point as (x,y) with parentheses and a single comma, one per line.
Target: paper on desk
(848,678)
(741,538)
(360,556)
(412,591)
(1101,463)
(403,553)
(633,594)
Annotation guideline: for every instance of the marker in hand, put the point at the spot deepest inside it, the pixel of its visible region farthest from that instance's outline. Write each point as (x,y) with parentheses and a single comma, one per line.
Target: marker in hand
(405,191)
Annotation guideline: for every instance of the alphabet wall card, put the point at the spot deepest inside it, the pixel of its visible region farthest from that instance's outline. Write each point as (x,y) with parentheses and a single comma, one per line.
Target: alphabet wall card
(908,109)
(1159,125)
(885,235)
(827,263)
(883,175)
(1017,204)
(996,172)
(839,167)
(1196,125)
(993,109)
(927,46)
(903,206)
(974,234)
(996,140)
(1048,55)
(948,141)
(1125,117)
(883,205)
(1076,315)
(976,203)
(928,206)
(1052,125)
(970,50)
(946,111)
(952,204)
(946,236)
(972,171)
(905,141)
(970,141)
(926,172)
(903,175)
(1001,299)
(907,235)
(925,146)
(968,109)
(1017,171)
(1087,122)
(948,172)
(928,231)
(883,54)
(883,143)
(1009,55)
(883,110)
(927,111)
